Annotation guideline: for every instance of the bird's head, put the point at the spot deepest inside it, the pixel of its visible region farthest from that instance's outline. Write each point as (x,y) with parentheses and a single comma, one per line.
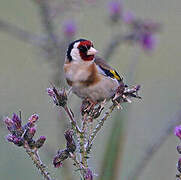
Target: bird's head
(81,50)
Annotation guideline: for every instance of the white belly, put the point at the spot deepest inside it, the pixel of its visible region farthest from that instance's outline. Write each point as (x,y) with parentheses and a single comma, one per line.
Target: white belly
(104,89)
(77,73)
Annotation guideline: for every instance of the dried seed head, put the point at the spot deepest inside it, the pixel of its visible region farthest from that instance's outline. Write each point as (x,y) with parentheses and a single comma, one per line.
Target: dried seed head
(179,149)
(71,146)
(60,157)
(179,165)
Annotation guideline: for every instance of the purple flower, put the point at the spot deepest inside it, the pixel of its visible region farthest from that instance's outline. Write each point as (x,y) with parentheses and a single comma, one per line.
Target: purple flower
(18,141)
(71,146)
(69,28)
(40,142)
(50,92)
(88,175)
(128,17)
(179,165)
(33,119)
(57,164)
(23,135)
(16,120)
(143,31)
(147,41)
(59,97)
(68,135)
(8,121)
(115,10)
(29,134)
(60,157)
(10,137)
(177,131)
(179,149)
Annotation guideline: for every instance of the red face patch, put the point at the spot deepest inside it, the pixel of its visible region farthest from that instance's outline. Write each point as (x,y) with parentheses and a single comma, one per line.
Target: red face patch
(83,47)
(85,43)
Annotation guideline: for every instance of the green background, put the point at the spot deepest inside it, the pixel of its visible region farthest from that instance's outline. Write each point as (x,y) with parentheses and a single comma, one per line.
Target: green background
(25,74)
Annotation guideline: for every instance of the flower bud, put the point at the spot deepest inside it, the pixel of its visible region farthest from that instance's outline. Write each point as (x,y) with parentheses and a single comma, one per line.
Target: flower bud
(9,124)
(59,97)
(177,131)
(179,149)
(88,175)
(69,28)
(10,137)
(50,92)
(33,119)
(147,41)
(39,143)
(31,144)
(61,156)
(128,17)
(71,146)
(29,133)
(179,165)
(18,141)
(8,121)
(115,10)
(17,121)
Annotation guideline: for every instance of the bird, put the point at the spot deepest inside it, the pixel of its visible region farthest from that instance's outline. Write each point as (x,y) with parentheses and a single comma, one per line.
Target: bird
(88,75)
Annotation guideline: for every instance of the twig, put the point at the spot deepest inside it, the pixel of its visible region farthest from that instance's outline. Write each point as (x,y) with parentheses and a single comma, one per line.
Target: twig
(82,141)
(115,42)
(78,164)
(36,160)
(153,148)
(48,23)
(98,127)
(72,121)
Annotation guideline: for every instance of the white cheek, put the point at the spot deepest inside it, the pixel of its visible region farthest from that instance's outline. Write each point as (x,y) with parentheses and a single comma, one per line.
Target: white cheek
(75,54)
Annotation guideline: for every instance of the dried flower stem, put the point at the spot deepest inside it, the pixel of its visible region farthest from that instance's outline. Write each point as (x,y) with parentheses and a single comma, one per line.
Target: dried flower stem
(78,164)
(72,120)
(98,127)
(36,160)
(85,138)
(83,142)
(47,22)
(38,157)
(115,42)
(80,134)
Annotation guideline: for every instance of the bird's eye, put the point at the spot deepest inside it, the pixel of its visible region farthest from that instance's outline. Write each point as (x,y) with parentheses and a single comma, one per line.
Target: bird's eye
(88,47)
(83,49)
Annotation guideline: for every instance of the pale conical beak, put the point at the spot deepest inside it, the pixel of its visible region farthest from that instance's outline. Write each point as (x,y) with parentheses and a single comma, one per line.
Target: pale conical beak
(91,51)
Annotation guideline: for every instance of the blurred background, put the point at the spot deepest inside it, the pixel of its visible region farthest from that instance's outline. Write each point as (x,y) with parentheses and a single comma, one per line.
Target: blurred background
(33,40)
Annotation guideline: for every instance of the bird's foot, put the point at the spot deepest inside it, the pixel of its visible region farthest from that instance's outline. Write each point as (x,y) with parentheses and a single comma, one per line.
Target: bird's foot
(87,106)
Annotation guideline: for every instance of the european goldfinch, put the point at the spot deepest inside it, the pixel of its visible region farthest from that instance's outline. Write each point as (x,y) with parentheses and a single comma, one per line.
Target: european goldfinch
(88,75)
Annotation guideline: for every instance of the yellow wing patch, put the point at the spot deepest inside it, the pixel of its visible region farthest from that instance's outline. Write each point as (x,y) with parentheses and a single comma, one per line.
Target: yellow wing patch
(115,75)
